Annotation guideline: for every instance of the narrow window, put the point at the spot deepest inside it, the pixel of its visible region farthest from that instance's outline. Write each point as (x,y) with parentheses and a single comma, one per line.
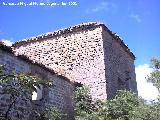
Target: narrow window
(37,95)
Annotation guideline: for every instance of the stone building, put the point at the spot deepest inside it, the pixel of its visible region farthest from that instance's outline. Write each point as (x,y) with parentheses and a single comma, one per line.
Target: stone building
(88,53)
(60,95)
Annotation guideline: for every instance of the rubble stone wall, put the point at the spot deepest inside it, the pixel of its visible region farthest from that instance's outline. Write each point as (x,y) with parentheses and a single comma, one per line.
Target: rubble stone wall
(79,56)
(90,56)
(119,66)
(60,95)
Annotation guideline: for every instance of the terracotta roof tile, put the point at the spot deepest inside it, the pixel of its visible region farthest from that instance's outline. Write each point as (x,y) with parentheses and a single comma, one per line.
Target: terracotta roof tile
(76,28)
(79,27)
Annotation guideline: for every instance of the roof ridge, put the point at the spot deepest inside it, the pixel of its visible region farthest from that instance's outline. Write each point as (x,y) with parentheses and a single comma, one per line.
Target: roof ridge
(75,28)
(57,32)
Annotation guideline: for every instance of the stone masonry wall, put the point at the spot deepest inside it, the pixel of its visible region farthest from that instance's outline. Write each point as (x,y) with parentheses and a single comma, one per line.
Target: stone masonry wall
(78,56)
(60,95)
(119,66)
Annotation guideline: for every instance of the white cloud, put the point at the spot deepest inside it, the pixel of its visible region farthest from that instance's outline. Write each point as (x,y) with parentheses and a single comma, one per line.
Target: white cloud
(145,89)
(7,42)
(136,17)
(103,6)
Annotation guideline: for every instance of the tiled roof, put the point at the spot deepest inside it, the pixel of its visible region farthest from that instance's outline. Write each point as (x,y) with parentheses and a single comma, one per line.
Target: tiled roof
(120,41)
(76,28)
(79,27)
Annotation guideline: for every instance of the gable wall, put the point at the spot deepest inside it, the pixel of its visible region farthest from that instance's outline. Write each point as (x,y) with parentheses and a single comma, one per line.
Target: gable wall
(119,66)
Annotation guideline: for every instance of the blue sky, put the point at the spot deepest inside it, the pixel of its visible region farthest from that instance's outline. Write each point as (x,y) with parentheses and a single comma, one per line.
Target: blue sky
(136,21)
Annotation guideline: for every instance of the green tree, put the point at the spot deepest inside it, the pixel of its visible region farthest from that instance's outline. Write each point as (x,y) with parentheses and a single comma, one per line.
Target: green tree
(151,110)
(126,105)
(83,102)
(49,113)
(122,106)
(155,75)
(119,108)
(18,87)
(146,111)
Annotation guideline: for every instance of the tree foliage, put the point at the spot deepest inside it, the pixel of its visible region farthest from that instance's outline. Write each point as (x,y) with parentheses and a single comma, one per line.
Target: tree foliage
(155,75)
(119,108)
(53,113)
(122,106)
(83,102)
(18,87)
(126,105)
(49,113)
